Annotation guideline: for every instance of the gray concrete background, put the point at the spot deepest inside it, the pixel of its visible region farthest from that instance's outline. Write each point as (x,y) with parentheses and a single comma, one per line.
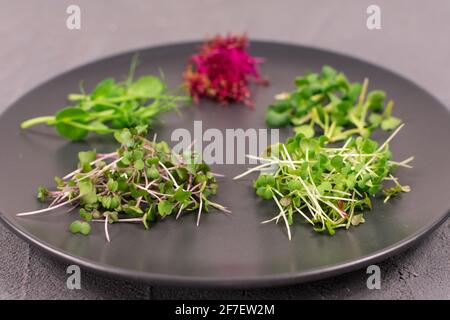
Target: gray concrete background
(35,45)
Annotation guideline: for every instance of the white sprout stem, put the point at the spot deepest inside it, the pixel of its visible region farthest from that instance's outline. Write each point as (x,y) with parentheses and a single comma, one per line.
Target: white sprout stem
(310,176)
(313,210)
(218,175)
(341,192)
(312,197)
(272,219)
(390,137)
(252,170)
(273,159)
(278,218)
(390,178)
(289,157)
(130,220)
(149,184)
(352,211)
(371,172)
(199,211)
(146,180)
(179,212)
(72,208)
(106,156)
(153,193)
(277,192)
(304,215)
(339,211)
(95,172)
(29,213)
(106,229)
(170,175)
(284,216)
(219,206)
(403,163)
(359,155)
(381,148)
(337,198)
(120,220)
(58,199)
(194,187)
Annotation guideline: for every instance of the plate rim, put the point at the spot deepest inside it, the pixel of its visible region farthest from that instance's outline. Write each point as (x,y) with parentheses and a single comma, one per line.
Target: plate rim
(275,280)
(269,280)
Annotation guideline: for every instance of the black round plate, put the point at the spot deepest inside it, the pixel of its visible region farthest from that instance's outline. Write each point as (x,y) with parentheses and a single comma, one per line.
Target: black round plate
(236,250)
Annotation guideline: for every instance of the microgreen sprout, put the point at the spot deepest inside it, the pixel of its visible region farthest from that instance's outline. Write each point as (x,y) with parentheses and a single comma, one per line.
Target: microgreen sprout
(112,106)
(141,182)
(327,103)
(222,70)
(329,187)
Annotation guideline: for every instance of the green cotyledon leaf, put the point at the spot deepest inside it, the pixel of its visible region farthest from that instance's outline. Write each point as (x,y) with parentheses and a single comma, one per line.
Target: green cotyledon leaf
(146,87)
(67,120)
(87,191)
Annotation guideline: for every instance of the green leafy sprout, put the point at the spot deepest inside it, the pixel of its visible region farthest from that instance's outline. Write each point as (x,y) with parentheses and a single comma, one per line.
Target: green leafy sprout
(141,182)
(111,106)
(329,187)
(327,103)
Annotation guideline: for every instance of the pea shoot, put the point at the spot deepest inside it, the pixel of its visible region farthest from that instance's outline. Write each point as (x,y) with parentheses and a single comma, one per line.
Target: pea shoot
(141,182)
(111,106)
(327,103)
(329,187)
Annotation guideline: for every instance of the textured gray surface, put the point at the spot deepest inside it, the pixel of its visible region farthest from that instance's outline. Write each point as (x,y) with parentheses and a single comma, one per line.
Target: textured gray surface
(36,46)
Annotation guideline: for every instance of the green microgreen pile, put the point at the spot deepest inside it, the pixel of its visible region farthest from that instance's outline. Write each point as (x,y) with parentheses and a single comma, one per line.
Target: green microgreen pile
(327,103)
(143,181)
(111,106)
(328,186)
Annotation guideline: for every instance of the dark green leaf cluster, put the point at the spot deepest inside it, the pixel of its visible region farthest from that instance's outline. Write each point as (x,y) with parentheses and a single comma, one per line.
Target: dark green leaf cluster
(328,186)
(327,103)
(142,181)
(111,106)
